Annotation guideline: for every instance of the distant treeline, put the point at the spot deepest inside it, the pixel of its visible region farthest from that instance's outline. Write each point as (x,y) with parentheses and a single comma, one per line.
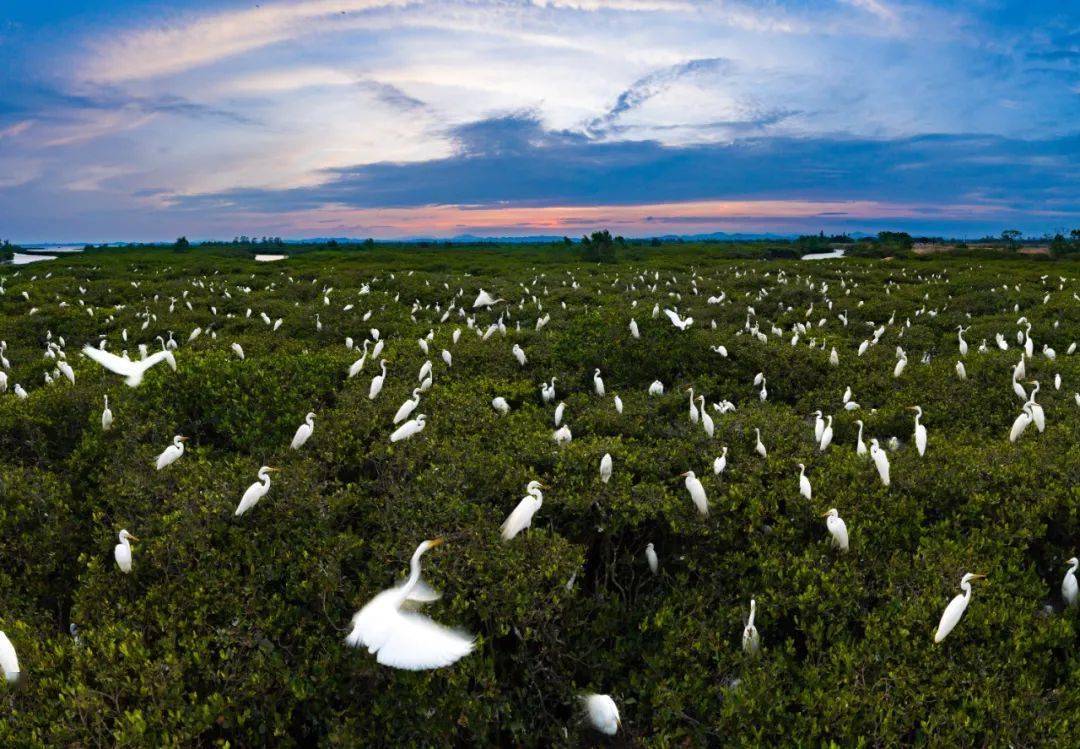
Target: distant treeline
(602,247)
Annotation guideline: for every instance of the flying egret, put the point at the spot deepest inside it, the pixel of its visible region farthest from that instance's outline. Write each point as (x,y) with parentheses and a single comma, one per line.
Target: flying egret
(956,608)
(132,371)
(603,714)
(654,562)
(255,492)
(804,482)
(409,428)
(881,461)
(405,410)
(484,299)
(377,382)
(172,453)
(106,417)
(751,642)
(521,517)
(697,492)
(122,551)
(303,432)
(1069,589)
(407,640)
(605,468)
(920,431)
(838,528)
(9,661)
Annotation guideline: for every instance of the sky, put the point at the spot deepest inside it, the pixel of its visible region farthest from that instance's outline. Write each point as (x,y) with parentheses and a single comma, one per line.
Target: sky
(126,120)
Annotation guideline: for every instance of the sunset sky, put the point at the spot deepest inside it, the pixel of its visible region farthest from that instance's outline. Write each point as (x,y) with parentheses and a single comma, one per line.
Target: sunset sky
(125,120)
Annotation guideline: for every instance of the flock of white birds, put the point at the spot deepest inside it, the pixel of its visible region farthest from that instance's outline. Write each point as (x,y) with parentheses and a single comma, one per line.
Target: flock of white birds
(389,625)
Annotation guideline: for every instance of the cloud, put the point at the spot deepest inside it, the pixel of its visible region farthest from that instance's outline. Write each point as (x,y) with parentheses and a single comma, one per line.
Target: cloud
(513,160)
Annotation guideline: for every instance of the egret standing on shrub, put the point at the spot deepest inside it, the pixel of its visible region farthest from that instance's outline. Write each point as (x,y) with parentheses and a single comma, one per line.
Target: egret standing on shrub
(697,492)
(106,417)
(9,661)
(920,431)
(122,551)
(881,461)
(838,528)
(172,453)
(603,714)
(409,429)
(956,608)
(751,642)
(521,517)
(407,640)
(303,432)
(256,491)
(1069,589)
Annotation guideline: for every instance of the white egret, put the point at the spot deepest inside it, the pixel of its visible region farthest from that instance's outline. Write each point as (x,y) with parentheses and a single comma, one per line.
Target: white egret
(603,714)
(106,417)
(694,416)
(132,371)
(562,435)
(860,446)
(559,411)
(1069,588)
(656,388)
(706,420)
(920,431)
(521,517)
(598,383)
(838,528)
(697,492)
(1021,423)
(961,371)
(618,404)
(407,640)
(956,608)
(605,468)
(172,453)
(881,461)
(122,551)
(654,561)
(377,382)
(9,660)
(409,428)
(499,404)
(303,432)
(448,358)
(484,299)
(256,491)
(826,435)
(357,366)
(720,463)
(1037,413)
(405,410)
(819,424)
(238,350)
(519,354)
(760,446)
(751,642)
(804,483)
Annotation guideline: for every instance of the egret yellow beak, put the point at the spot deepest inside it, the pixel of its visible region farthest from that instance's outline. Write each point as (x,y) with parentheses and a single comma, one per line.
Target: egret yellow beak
(183,439)
(978,577)
(824,515)
(436,542)
(131,537)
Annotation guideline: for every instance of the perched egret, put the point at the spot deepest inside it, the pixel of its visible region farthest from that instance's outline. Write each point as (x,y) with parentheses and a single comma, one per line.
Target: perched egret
(804,482)
(654,562)
(605,468)
(860,446)
(603,714)
(826,435)
(377,382)
(521,517)
(838,528)
(760,446)
(303,432)
(751,642)
(106,417)
(256,491)
(1021,423)
(409,429)
(598,383)
(402,639)
(499,404)
(1069,589)
(920,431)
(881,461)
(819,424)
(172,453)
(122,551)
(9,661)
(720,463)
(405,410)
(697,492)
(956,608)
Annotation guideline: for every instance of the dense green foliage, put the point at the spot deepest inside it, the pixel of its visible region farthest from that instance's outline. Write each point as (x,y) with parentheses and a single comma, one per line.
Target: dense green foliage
(231,630)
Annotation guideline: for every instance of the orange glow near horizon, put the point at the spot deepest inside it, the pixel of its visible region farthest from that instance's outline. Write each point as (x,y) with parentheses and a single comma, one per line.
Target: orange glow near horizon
(658,218)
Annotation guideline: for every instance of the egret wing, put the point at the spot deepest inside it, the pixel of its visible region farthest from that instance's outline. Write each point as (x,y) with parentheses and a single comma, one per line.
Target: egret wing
(415,642)
(111,362)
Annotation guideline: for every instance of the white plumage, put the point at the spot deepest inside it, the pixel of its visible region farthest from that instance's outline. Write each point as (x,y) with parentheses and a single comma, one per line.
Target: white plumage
(603,714)
(956,608)
(132,371)
(522,516)
(697,492)
(9,660)
(255,492)
(303,432)
(122,551)
(172,453)
(409,428)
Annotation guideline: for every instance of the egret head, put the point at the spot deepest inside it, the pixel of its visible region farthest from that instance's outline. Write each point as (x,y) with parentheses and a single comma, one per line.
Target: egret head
(310,416)
(1073,560)
(802,467)
(968,577)
(125,536)
(833,513)
(429,544)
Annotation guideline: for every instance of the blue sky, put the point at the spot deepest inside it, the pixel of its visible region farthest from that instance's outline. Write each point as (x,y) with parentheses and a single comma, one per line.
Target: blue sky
(142,120)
